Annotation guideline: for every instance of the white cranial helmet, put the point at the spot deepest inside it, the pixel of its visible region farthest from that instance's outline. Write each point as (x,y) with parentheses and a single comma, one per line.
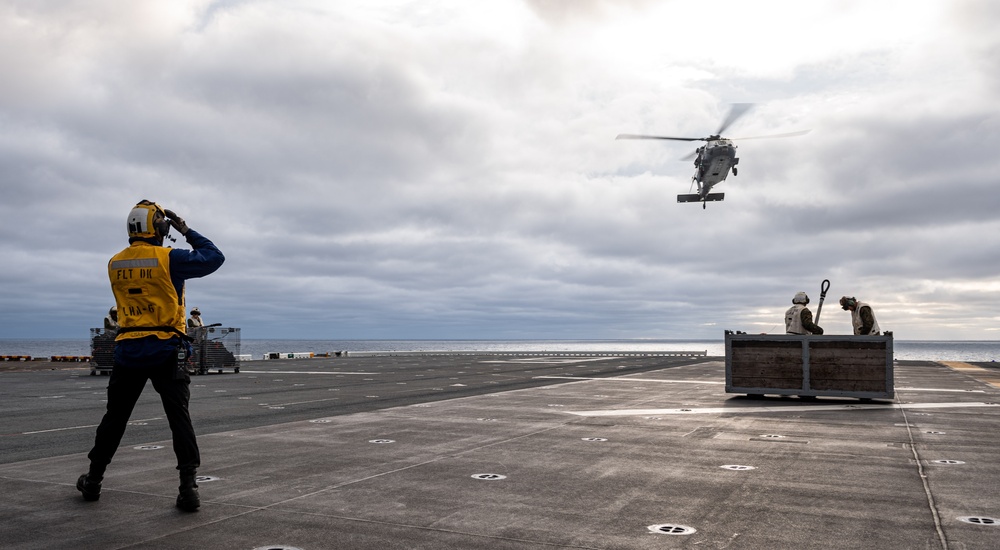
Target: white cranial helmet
(800,298)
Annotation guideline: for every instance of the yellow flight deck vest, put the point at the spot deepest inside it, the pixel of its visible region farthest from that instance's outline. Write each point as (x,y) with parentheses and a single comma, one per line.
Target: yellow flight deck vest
(146,297)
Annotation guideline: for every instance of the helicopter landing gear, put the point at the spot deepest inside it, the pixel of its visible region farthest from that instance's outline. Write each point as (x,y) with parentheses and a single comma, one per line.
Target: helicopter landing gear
(734,171)
(703,205)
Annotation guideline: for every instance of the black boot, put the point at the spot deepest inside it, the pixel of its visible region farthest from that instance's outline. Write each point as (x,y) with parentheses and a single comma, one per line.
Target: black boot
(188,499)
(90,486)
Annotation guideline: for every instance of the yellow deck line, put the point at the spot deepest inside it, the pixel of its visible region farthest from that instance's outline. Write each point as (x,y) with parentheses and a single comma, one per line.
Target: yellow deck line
(958,365)
(973,371)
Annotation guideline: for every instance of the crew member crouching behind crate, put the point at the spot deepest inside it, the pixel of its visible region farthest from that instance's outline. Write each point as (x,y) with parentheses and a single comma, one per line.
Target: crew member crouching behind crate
(148,283)
(798,318)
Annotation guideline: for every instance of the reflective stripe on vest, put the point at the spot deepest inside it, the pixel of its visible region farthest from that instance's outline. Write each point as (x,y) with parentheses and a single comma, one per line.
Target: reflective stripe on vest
(146,297)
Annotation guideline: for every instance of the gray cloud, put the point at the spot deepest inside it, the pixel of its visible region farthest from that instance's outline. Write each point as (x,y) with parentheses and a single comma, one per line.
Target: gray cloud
(423,171)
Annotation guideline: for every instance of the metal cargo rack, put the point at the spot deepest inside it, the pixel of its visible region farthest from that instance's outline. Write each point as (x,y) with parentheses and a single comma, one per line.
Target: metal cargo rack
(102,351)
(215,348)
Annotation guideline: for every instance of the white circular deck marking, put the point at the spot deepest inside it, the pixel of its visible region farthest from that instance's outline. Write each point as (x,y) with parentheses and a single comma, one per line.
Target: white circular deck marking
(382,441)
(147,447)
(489,477)
(737,467)
(672,529)
(979,520)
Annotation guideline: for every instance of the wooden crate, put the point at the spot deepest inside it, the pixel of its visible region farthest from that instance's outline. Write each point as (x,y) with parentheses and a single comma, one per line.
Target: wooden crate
(846,366)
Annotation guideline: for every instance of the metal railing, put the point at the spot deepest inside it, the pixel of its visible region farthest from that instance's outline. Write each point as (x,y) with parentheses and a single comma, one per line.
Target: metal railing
(215,348)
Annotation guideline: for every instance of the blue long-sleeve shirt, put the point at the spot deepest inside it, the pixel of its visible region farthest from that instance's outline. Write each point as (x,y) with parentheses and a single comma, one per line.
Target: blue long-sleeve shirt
(203,259)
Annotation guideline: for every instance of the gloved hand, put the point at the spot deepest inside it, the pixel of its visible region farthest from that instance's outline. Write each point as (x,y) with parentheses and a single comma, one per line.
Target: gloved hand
(177,222)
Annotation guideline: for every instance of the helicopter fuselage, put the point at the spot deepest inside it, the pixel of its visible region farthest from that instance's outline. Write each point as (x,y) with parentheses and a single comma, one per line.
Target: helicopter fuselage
(713,163)
(715,159)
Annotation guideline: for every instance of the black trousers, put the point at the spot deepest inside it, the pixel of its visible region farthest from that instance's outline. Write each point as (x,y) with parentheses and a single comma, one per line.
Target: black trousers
(124,389)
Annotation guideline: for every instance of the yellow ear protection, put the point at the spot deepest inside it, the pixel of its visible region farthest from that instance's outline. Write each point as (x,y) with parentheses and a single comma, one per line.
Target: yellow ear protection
(147,220)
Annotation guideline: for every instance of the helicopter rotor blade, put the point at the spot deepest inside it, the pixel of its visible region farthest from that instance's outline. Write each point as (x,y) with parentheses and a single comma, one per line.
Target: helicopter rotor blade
(790,134)
(638,136)
(735,112)
(691,156)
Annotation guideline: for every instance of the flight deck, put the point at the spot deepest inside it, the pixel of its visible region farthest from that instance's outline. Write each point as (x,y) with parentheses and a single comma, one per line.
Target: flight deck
(610,451)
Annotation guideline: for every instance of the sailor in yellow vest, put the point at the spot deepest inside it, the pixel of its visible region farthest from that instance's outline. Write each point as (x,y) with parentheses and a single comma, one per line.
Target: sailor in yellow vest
(862,316)
(798,318)
(148,283)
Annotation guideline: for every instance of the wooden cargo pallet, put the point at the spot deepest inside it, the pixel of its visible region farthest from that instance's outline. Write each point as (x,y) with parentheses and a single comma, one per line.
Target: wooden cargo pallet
(846,366)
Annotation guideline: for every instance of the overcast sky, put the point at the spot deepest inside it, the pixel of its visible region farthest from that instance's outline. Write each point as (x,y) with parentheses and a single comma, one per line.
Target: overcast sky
(448,169)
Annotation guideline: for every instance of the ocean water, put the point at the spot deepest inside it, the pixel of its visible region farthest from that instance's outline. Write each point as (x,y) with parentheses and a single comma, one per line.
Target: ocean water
(964,350)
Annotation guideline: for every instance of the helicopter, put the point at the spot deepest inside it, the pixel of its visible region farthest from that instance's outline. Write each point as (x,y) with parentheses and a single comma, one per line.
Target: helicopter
(715,159)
